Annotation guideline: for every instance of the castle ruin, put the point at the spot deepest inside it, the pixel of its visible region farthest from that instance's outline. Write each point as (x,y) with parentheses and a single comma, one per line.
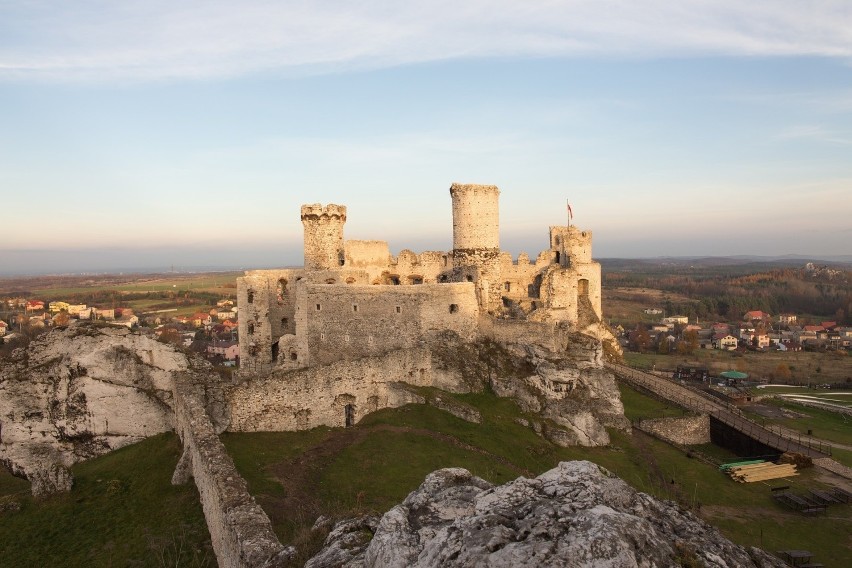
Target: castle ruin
(353,299)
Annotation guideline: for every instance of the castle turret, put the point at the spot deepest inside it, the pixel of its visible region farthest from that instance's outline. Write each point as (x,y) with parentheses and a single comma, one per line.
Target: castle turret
(571,245)
(476,216)
(323,236)
(476,240)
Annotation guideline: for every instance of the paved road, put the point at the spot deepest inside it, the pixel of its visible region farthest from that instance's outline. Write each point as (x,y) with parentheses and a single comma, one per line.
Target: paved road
(698,402)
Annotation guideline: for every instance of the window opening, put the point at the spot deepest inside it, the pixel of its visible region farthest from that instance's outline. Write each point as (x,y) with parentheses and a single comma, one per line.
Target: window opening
(454,308)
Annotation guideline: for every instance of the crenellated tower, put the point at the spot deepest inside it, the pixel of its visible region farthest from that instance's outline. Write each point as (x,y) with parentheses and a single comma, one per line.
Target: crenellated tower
(323,236)
(476,239)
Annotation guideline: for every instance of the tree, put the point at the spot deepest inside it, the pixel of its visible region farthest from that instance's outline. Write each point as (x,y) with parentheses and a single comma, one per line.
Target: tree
(782,372)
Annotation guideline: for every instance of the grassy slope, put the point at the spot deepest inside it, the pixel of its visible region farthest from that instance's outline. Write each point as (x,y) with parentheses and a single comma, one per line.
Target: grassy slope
(398,447)
(123,511)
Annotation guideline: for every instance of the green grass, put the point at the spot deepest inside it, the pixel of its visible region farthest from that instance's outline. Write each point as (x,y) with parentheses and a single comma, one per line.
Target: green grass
(824,424)
(123,511)
(638,406)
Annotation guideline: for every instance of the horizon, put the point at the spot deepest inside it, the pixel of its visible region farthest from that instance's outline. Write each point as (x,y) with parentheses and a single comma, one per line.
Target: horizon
(191,135)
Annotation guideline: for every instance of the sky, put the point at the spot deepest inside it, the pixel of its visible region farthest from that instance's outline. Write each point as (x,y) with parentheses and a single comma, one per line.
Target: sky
(150,135)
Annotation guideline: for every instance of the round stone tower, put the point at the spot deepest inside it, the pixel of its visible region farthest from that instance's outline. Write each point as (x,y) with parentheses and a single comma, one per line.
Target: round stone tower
(476,216)
(323,236)
(476,241)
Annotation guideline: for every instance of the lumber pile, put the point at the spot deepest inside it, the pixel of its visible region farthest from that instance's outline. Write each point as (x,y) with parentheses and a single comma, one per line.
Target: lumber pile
(761,472)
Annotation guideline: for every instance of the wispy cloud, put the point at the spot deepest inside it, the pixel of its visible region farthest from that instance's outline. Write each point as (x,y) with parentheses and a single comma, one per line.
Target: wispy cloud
(813,132)
(155,40)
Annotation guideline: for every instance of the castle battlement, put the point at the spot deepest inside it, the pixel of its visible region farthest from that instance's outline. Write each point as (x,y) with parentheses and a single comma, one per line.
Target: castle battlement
(316,211)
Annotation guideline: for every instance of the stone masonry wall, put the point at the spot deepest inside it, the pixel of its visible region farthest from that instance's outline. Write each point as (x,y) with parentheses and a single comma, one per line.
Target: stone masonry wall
(317,396)
(688,431)
(348,322)
(240,530)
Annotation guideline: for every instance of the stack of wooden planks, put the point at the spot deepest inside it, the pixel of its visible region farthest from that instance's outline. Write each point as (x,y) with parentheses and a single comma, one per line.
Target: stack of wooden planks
(761,472)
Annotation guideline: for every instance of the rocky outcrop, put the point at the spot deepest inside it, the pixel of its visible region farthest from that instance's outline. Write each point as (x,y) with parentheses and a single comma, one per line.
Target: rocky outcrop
(80,392)
(577,514)
(571,390)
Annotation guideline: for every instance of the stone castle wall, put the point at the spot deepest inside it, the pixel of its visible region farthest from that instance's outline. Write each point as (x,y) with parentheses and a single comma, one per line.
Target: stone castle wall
(240,530)
(318,396)
(687,431)
(348,322)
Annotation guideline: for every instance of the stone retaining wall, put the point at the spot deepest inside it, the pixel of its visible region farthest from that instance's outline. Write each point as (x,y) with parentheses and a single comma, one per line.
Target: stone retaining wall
(241,532)
(687,431)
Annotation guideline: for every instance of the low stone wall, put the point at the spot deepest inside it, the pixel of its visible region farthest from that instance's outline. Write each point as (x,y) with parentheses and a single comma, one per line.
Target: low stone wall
(687,431)
(241,532)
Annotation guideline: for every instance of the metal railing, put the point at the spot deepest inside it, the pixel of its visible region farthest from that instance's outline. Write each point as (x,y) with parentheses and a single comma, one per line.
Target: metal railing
(698,401)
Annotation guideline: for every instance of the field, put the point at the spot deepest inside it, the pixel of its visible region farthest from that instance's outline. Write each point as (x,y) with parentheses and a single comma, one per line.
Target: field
(180,294)
(804,367)
(625,305)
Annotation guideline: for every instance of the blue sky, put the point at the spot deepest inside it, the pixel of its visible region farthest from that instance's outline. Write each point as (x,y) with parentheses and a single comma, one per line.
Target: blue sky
(145,135)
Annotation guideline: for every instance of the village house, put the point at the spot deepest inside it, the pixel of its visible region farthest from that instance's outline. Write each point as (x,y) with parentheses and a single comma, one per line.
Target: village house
(105,314)
(756,315)
(673,320)
(225,315)
(225,303)
(128,320)
(34,305)
(787,319)
(652,311)
(3,327)
(724,341)
(75,309)
(229,350)
(200,319)
(57,306)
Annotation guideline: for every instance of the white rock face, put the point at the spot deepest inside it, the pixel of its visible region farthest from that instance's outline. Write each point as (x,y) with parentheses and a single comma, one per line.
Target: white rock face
(575,515)
(80,392)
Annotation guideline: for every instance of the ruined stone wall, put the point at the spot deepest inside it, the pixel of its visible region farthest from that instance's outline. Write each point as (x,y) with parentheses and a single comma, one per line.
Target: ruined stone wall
(240,530)
(687,431)
(573,244)
(373,257)
(266,299)
(317,396)
(356,321)
(567,291)
(323,228)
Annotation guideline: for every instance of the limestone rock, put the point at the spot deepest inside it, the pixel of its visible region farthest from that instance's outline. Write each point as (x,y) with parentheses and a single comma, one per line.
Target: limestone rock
(577,514)
(50,479)
(80,392)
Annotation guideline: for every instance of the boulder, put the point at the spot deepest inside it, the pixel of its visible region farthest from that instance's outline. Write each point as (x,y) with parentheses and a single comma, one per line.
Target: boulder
(575,515)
